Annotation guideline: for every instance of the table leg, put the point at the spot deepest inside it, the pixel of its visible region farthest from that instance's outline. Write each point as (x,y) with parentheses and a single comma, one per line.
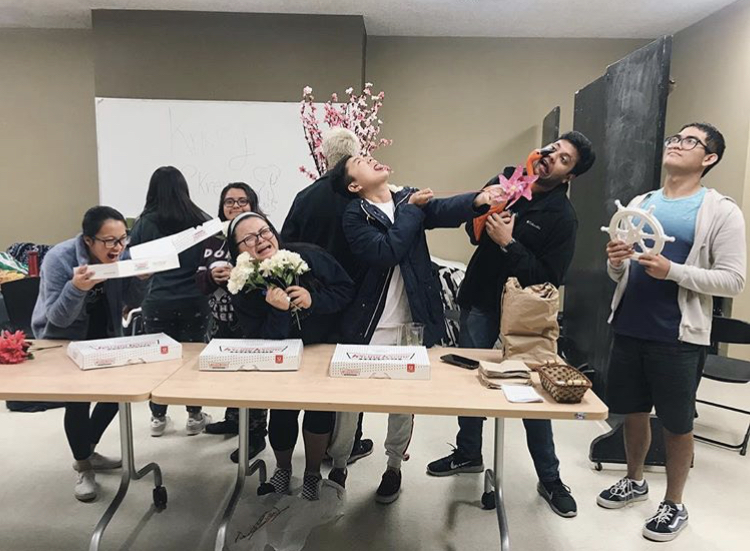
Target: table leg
(128,473)
(493,486)
(242,472)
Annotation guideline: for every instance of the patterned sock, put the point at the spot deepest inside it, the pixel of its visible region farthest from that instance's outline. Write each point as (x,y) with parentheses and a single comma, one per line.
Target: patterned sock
(311,486)
(280,480)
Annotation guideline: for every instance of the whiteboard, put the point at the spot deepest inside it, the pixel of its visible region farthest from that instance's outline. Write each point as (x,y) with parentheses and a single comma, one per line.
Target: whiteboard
(211,142)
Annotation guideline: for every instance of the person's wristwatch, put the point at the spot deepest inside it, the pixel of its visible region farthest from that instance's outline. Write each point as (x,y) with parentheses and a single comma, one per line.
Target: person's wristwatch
(504,248)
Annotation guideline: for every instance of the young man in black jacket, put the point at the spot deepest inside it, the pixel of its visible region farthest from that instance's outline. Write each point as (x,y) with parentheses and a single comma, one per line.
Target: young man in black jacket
(534,242)
(385,228)
(315,217)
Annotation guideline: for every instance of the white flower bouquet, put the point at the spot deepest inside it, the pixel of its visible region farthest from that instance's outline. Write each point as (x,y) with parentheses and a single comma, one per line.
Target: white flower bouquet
(281,270)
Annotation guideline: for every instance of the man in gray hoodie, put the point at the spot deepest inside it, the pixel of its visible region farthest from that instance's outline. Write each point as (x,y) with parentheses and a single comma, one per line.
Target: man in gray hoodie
(661,318)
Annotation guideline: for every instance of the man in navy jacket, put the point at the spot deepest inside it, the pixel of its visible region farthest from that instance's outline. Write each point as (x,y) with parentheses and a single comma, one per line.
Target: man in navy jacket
(385,227)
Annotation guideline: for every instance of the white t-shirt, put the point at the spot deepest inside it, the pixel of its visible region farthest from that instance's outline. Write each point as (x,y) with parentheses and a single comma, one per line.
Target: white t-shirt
(396,311)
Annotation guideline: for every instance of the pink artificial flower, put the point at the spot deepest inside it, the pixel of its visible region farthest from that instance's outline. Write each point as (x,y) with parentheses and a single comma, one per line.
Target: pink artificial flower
(517,186)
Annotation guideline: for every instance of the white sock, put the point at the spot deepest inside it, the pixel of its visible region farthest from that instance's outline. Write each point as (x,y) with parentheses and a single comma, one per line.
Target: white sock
(637,482)
(679,506)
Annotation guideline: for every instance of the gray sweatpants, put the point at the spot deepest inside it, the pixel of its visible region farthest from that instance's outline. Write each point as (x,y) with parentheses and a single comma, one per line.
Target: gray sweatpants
(400,425)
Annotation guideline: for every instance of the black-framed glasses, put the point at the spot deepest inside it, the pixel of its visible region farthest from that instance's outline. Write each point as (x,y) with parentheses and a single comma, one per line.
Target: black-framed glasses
(687,143)
(241,202)
(112,242)
(252,239)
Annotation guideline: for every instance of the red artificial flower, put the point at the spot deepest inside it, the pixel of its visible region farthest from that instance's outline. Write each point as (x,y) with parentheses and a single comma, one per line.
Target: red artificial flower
(13,347)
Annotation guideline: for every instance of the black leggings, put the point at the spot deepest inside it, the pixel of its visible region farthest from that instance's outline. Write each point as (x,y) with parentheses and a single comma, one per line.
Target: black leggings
(84,431)
(283,428)
(186,322)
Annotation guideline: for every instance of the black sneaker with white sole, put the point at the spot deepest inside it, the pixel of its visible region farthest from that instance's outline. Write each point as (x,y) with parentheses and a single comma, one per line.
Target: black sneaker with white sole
(362,448)
(559,498)
(455,463)
(667,523)
(622,492)
(390,487)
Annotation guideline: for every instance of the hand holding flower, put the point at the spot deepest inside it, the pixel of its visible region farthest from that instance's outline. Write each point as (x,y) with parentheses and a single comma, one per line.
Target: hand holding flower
(300,297)
(278,299)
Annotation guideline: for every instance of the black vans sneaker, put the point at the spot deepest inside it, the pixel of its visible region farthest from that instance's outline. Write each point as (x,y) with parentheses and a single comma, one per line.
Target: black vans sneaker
(621,493)
(559,498)
(455,463)
(667,523)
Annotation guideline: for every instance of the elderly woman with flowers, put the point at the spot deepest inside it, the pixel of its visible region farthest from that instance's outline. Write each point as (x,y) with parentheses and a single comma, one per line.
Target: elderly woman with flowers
(296,292)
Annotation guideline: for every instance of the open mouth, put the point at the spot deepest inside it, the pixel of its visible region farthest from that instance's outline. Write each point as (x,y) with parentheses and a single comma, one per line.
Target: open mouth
(263,248)
(543,167)
(113,257)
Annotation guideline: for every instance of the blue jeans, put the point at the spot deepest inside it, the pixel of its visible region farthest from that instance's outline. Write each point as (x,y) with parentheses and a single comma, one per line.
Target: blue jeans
(479,329)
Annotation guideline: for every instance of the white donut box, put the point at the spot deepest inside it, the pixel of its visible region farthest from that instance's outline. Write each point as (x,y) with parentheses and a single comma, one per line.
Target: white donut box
(251,355)
(118,351)
(380,362)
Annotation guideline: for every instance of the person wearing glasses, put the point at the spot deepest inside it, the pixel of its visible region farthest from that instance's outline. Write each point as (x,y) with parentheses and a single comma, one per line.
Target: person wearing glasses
(174,304)
(72,305)
(212,277)
(309,311)
(661,319)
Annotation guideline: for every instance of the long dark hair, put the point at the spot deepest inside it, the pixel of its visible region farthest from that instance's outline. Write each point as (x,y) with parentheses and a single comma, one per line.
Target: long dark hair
(252,198)
(168,199)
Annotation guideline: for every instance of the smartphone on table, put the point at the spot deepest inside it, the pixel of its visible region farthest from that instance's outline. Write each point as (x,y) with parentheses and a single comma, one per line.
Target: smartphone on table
(460,361)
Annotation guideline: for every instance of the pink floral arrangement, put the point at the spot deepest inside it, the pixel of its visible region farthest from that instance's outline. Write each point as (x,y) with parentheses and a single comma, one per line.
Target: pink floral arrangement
(517,186)
(359,114)
(507,192)
(14,348)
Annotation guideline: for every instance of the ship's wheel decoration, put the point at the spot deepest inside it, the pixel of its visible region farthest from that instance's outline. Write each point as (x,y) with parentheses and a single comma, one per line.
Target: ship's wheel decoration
(639,228)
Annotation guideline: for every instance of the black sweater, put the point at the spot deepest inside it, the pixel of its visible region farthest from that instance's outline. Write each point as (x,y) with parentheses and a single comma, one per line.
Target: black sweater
(315,217)
(544,233)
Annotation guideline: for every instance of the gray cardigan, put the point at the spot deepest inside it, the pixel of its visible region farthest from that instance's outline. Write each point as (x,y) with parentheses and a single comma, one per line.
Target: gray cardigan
(715,266)
(60,311)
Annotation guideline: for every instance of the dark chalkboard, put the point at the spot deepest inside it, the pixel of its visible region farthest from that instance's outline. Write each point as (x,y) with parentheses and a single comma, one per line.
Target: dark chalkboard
(623,113)
(551,126)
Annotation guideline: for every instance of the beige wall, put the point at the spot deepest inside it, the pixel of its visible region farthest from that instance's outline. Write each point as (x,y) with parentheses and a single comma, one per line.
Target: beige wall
(711,64)
(47,134)
(225,56)
(460,109)
(49,80)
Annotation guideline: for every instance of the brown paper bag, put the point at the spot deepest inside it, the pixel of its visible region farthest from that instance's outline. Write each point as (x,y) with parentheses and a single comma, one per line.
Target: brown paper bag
(528,323)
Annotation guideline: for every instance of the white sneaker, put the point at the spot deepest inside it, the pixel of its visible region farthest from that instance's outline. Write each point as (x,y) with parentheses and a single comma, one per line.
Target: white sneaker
(85,489)
(159,425)
(196,424)
(100,462)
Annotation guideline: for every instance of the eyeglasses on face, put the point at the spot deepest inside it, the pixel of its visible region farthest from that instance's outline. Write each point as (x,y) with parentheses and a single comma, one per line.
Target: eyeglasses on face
(112,242)
(241,202)
(252,239)
(688,143)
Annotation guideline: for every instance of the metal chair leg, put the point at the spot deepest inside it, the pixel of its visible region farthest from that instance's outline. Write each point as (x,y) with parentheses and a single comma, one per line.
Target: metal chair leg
(128,473)
(242,472)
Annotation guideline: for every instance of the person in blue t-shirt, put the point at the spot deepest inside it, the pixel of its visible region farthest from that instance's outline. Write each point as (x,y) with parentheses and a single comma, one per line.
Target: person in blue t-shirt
(661,318)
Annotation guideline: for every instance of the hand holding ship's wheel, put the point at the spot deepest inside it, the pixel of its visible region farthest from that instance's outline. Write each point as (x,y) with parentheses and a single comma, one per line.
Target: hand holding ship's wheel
(631,225)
